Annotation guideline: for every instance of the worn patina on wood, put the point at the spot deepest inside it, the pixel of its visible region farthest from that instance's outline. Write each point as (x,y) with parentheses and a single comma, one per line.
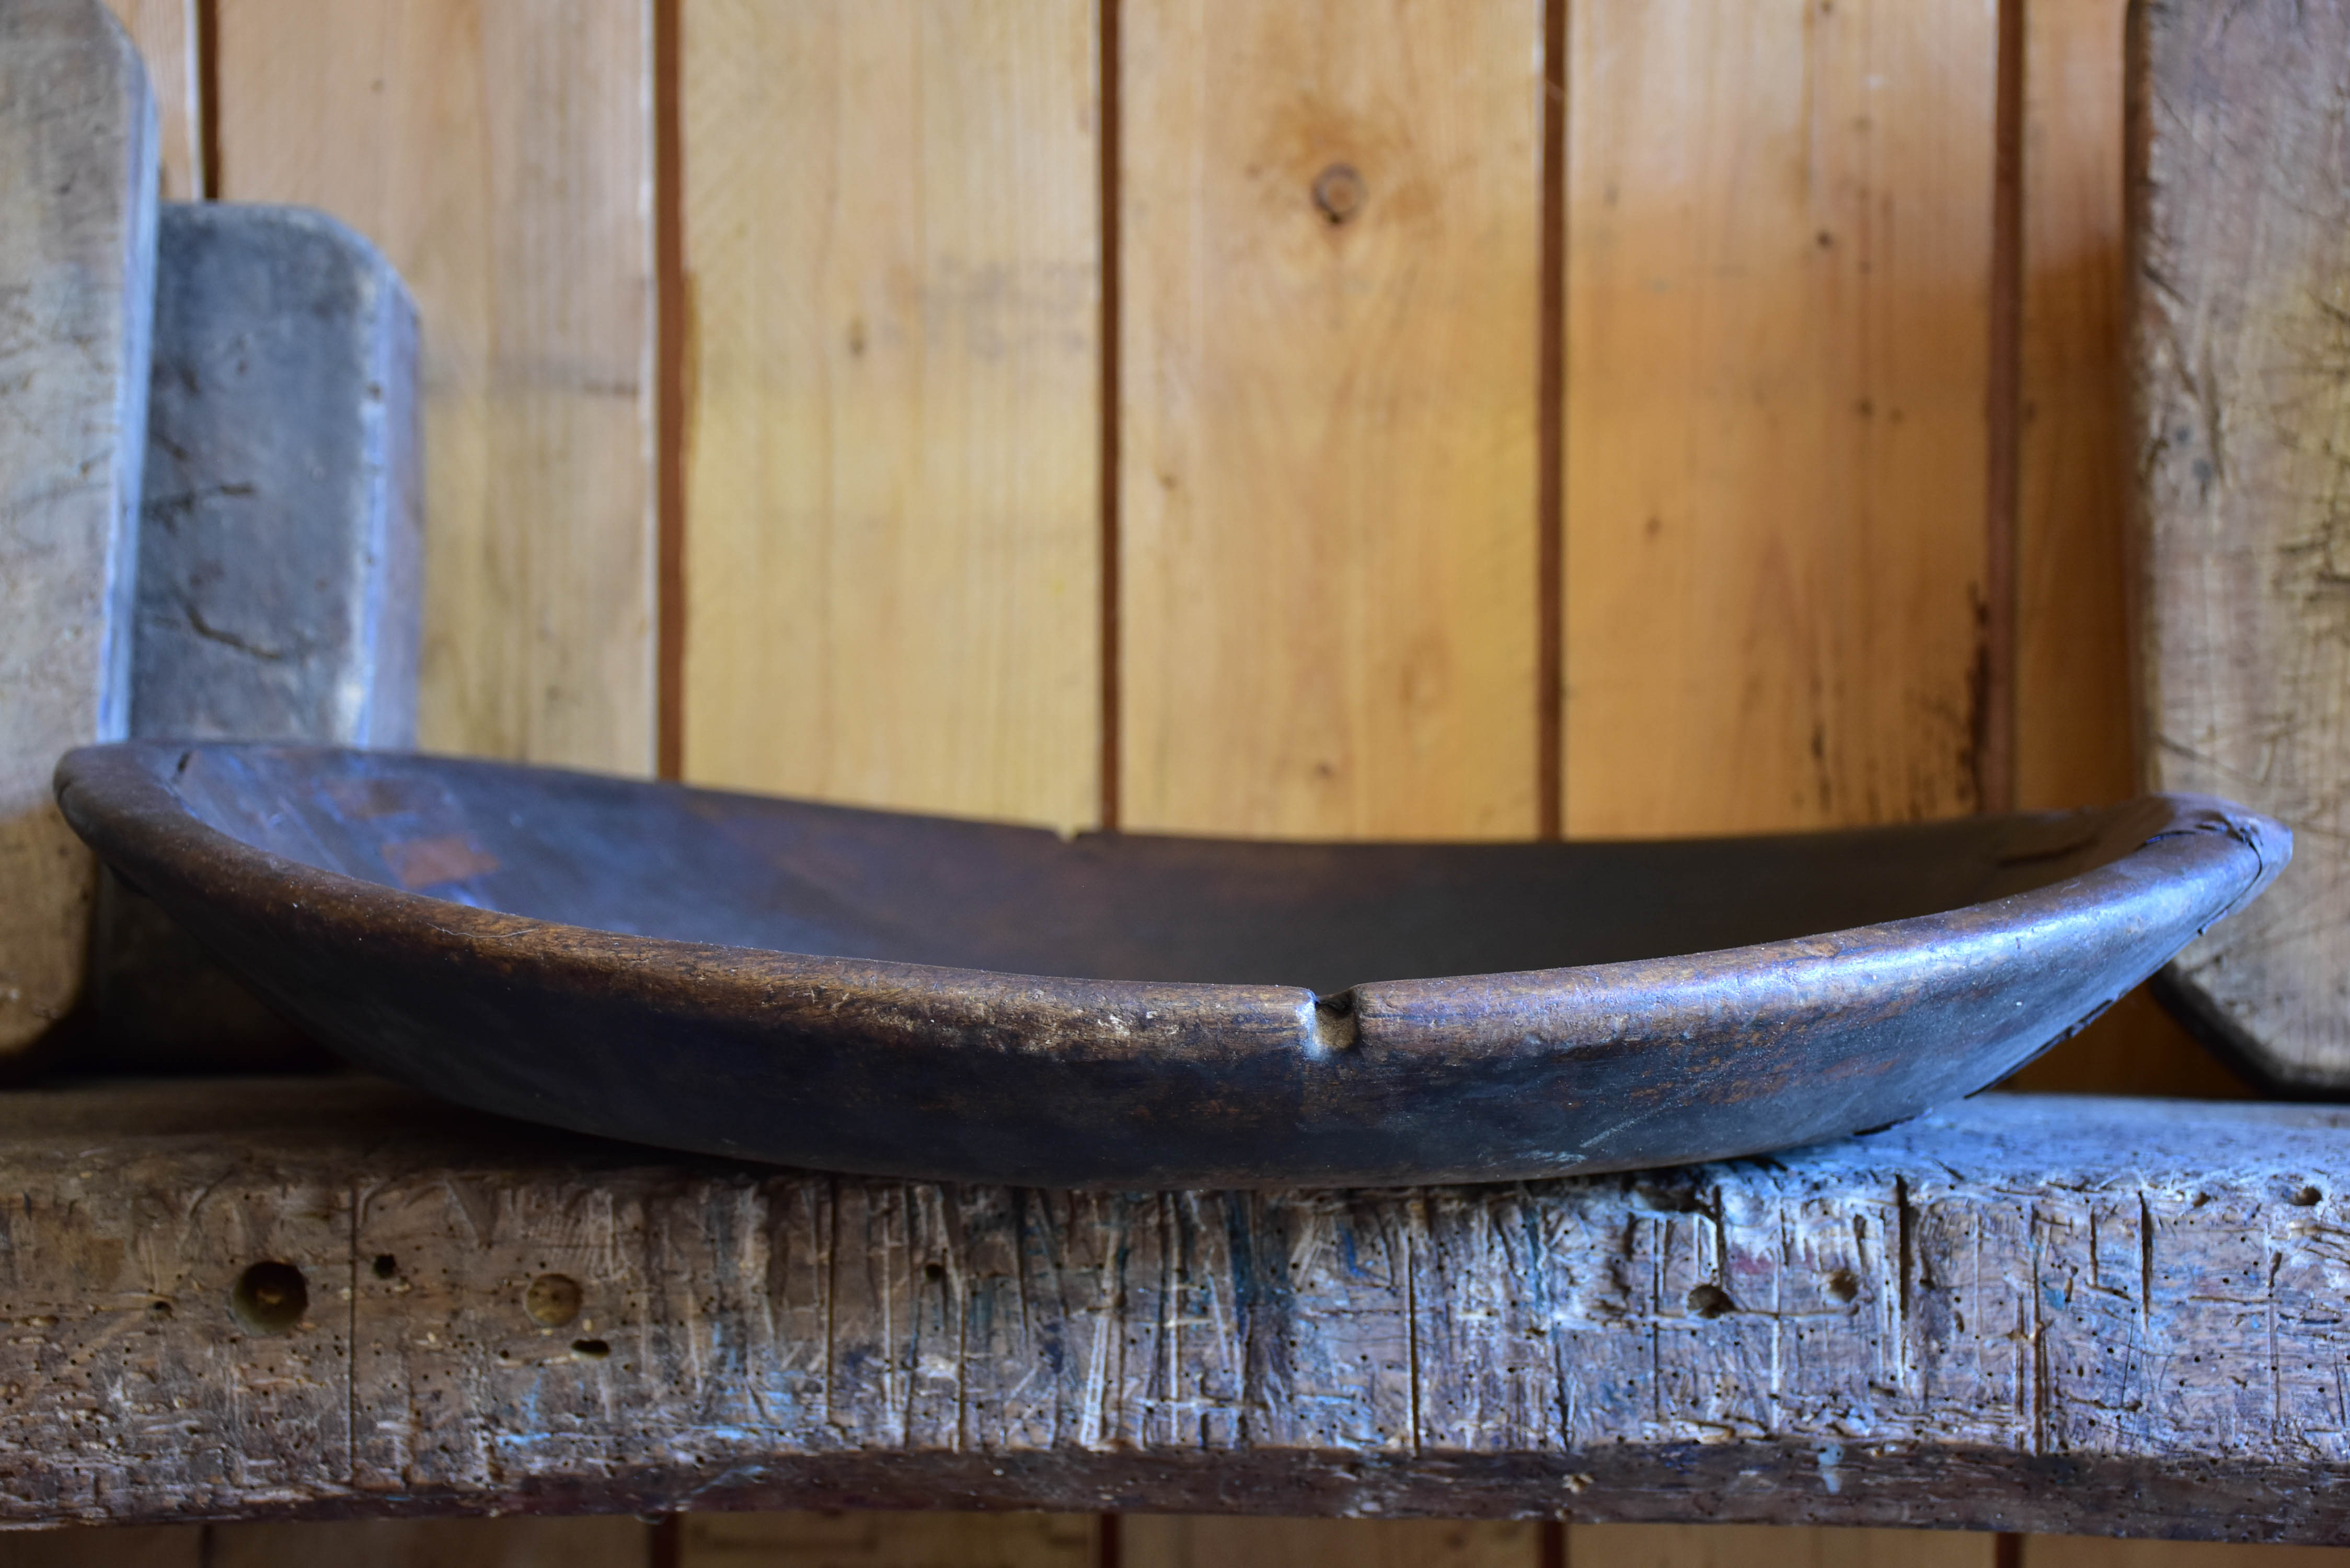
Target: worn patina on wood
(2240,207)
(925,997)
(279,555)
(77,269)
(2025,1312)
(281,535)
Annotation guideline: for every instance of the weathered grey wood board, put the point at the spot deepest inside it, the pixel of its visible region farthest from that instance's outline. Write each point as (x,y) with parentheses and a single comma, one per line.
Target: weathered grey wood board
(2239,190)
(281,531)
(2052,1314)
(76,257)
(279,558)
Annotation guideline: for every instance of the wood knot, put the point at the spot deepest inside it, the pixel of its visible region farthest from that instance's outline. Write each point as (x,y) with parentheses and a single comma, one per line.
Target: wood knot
(1339,192)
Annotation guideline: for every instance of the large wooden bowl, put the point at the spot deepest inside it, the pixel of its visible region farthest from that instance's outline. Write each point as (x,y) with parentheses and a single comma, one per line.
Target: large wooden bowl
(872,992)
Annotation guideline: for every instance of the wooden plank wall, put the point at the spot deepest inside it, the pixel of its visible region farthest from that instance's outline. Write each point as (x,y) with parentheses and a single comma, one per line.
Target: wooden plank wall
(1477,420)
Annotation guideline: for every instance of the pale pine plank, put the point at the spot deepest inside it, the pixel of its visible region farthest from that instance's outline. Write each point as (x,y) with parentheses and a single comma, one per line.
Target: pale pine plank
(1778,264)
(892,568)
(500,156)
(2096,1551)
(165,33)
(889,1541)
(590,1543)
(893,244)
(2072,672)
(1328,430)
(593,1542)
(1328,609)
(1175,1541)
(2073,697)
(1760,1546)
(1777,288)
(106,1546)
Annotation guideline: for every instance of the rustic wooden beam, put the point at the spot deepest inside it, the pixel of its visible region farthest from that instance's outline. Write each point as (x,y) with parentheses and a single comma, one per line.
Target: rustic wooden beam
(76,291)
(301,1298)
(2238,185)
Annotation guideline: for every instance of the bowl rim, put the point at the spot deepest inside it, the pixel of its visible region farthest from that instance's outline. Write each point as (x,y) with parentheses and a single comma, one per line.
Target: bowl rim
(118,797)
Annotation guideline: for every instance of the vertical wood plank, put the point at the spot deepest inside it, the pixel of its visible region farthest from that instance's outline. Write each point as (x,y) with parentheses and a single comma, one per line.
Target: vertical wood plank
(1330,299)
(1164,1540)
(2073,645)
(892,494)
(889,1541)
(107,1546)
(500,155)
(1779,223)
(2239,326)
(892,540)
(165,33)
(1327,421)
(586,1542)
(1756,1546)
(1779,239)
(2096,1551)
(1330,295)
(2073,697)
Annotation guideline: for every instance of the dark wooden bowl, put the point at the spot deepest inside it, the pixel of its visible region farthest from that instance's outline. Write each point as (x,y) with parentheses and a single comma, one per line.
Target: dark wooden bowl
(908,995)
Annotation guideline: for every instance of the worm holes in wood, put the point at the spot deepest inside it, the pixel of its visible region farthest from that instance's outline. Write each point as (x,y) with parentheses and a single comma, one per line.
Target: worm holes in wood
(552,1300)
(590,1349)
(1654,1197)
(270,1298)
(386,1265)
(1709,1301)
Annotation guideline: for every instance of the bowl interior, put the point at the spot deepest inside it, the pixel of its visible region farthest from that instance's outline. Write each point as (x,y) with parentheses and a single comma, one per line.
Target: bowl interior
(662,860)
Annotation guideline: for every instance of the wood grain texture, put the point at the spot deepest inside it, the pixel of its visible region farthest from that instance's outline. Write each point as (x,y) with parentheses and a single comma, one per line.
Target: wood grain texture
(1778,256)
(874,1540)
(2241,198)
(106,1546)
(1920,1327)
(2072,662)
(892,484)
(893,251)
(76,300)
(594,1541)
(1327,428)
(2080,1552)
(1329,253)
(499,154)
(588,1542)
(1746,1546)
(2074,703)
(1165,1541)
(164,32)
